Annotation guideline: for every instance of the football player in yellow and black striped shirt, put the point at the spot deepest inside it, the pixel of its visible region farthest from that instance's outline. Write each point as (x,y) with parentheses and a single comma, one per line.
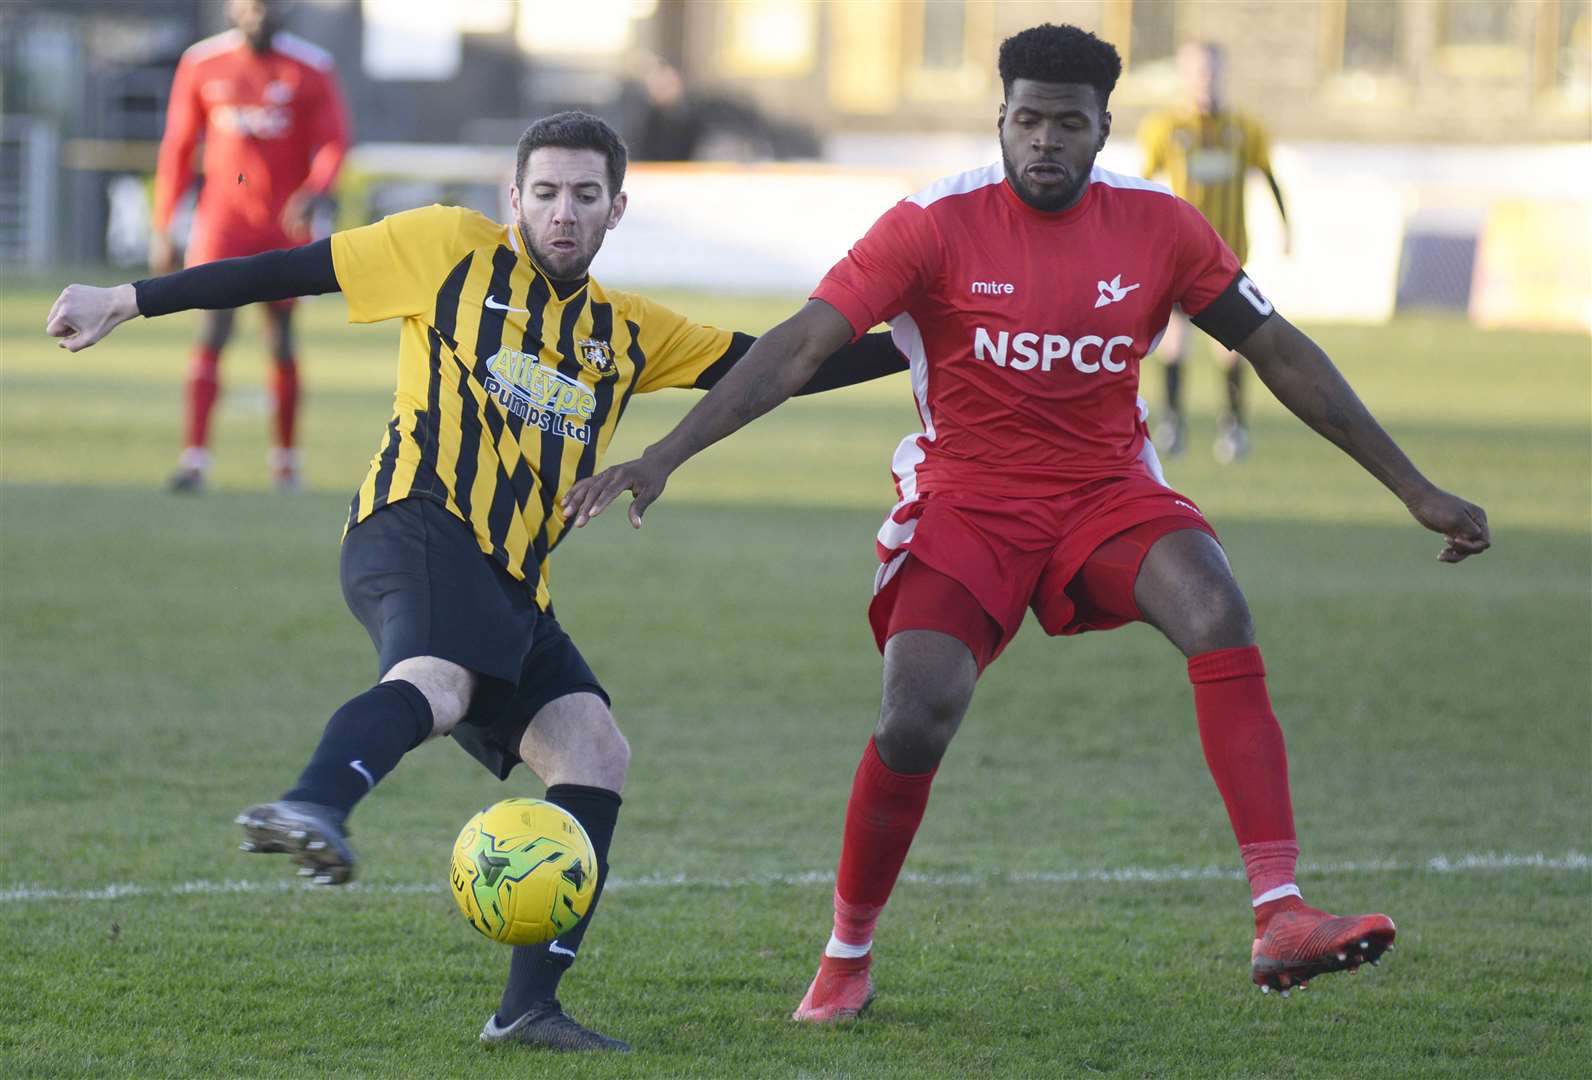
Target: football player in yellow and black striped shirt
(1205,149)
(514,368)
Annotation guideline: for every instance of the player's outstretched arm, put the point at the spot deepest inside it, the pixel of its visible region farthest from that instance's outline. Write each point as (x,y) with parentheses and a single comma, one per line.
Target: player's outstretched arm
(1304,379)
(872,356)
(776,366)
(83,314)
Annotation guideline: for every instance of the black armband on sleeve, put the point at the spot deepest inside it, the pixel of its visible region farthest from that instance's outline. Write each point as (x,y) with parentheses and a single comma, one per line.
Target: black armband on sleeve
(872,356)
(230,283)
(1235,314)
(715,371)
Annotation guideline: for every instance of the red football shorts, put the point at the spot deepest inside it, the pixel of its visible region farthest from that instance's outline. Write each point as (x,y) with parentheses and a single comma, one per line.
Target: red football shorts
(213,241)
(975,564)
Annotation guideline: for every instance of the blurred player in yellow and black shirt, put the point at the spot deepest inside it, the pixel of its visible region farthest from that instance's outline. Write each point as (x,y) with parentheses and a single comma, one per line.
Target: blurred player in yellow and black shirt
(1205,150)
(514,368)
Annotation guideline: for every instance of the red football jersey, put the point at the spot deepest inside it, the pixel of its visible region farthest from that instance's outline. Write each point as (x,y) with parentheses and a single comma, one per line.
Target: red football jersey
(1024,329)
(272,123)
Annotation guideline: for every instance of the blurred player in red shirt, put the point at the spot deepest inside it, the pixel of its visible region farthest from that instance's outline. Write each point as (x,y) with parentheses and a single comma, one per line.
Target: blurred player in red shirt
(1025,295)
(275,129)
(1206,150)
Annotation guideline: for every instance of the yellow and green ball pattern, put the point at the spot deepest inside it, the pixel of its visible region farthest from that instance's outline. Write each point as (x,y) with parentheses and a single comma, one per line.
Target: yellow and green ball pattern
(523,871)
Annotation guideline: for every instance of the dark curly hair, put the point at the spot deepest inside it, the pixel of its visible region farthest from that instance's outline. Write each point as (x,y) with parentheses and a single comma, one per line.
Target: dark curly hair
(1060,54)
(574,130)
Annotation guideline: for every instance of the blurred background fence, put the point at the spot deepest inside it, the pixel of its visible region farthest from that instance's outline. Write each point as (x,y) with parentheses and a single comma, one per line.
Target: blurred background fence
(1435,153)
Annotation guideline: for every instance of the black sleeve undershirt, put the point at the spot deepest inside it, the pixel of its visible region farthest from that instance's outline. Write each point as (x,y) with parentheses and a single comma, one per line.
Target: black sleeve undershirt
(870,357)
(230,283)
(308,271)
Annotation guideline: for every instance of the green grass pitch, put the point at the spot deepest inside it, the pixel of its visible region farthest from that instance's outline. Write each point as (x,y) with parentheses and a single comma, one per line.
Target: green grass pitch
(1071,906)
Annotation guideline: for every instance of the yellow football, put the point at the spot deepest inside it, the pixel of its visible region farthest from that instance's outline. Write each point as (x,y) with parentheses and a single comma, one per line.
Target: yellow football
(523,871)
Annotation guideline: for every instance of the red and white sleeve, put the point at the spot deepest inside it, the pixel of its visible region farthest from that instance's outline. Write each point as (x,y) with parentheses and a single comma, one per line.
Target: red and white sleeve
(185,119)
(885,270)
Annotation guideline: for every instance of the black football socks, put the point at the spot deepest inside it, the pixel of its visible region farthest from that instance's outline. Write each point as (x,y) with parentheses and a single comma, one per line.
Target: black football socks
(534,970)
(363,742)
(1174,391)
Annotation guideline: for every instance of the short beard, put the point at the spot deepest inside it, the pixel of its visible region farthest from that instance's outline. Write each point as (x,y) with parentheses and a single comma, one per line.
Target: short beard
(543,261)
(1048,204)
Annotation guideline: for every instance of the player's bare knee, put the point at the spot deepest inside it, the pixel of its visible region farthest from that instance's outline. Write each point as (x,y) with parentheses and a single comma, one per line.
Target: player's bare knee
(611,754)
(215,328)
(919,717)
(913,744)
(1217,618)
(279,338)
(575,740)
(446,686)
(928,683)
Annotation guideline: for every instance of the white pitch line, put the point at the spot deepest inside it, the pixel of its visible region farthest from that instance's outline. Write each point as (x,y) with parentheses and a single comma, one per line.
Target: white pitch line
(1489,862)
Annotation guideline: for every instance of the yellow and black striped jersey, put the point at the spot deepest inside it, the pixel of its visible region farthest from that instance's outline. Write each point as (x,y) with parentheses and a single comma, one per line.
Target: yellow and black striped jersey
(1206,158)
(507,393)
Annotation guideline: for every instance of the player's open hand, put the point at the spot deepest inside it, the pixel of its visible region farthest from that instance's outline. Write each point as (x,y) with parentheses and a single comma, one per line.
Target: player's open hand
(589,497)
(83,314)
(162,254)
(1463,524)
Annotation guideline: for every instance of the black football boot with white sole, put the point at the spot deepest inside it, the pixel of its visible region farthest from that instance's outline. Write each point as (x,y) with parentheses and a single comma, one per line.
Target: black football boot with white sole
(313,835)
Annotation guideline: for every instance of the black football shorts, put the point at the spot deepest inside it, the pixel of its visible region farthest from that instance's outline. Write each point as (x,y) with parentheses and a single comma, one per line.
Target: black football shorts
(413,575)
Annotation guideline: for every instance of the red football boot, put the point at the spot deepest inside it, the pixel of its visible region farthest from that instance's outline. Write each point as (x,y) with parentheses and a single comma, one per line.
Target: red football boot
(1300,943)
(840,991)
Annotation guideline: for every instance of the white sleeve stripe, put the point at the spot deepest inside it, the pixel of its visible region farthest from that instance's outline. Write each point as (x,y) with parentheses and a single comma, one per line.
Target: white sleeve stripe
(960,184)
(1121,180)
(304,52)
(213,45)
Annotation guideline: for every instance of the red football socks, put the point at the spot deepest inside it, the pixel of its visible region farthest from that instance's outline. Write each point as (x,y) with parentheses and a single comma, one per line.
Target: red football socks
(882,817)
(1244,748)
(203,387)
(285,397)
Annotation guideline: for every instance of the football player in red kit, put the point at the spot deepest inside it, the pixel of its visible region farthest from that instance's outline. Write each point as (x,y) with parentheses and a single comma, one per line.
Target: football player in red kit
(1025,296)
(275,129)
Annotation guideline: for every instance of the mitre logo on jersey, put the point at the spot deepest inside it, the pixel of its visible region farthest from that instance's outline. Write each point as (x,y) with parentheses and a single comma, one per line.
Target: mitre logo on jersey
(1025,350)
(541,396)
(1113,290)
(596,357)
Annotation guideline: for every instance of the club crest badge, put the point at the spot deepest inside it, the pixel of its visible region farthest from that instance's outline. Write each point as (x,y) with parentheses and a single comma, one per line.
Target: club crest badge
(597,357)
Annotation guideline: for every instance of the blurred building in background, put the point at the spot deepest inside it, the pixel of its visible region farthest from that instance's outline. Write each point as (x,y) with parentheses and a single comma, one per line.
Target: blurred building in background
(1429,147)
(1424,70)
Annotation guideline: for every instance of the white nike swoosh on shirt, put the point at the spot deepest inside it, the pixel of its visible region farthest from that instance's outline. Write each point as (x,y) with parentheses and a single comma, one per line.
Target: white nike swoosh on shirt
(492,303)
